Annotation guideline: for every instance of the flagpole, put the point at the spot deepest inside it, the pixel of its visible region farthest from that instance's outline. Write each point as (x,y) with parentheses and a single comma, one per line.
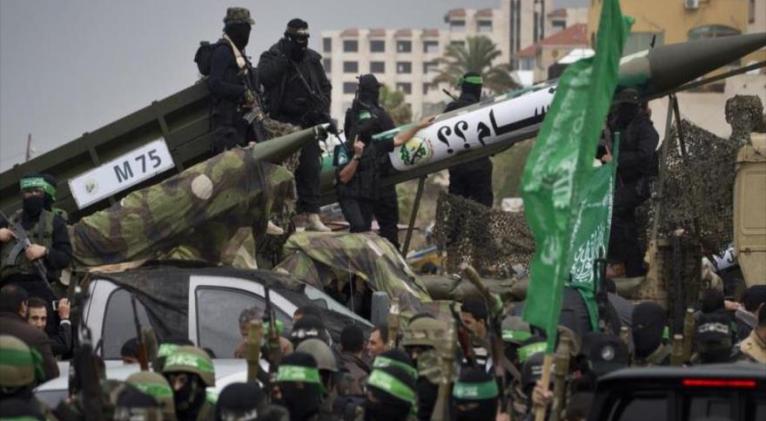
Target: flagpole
(546,380)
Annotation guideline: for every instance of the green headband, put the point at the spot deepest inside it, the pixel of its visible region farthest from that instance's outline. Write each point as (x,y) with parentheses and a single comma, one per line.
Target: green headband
(473,80)
(166,349)
(475,391)
(382,362)
(296,373)
(20,358)
(391,385)
(38,183)
(527,351)
(516,335)
(154,389)
(189,360)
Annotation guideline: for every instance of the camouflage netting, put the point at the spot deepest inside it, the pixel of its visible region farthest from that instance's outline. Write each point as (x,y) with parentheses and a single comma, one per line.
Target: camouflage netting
(210,212)
(320,258)
(698,190)
(489,239)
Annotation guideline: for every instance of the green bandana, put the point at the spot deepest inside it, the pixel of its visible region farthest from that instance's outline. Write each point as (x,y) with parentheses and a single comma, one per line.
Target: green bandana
(391,385)
(382,362)
(528,350)
(296,373)
(38,183)
(189,360)
(156,390)
(473,80)
(18,357)
(166,349)
(516,335)
(475,391)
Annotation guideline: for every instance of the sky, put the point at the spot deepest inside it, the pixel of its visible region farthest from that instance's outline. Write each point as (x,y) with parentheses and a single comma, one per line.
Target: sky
(69,67)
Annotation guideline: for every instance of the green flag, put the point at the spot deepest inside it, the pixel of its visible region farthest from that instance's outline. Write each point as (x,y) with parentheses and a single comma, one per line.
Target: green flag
(560,163)
(590,235)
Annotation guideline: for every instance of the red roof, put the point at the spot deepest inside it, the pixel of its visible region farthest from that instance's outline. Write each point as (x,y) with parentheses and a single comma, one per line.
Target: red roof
(484,13)
(377,32)
(455,13)
(430,32)
(558,13)
(351,32)
(530,51)
(403,33)
(573,35)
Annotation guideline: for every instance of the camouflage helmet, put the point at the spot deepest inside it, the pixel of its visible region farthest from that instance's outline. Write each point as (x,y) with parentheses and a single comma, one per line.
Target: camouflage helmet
(157,386)
(238,15)
(425,331)
(190,359)
(19,365)
(321,353)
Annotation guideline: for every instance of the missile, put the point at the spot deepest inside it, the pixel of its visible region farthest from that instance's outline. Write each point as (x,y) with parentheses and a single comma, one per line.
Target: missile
(501,119)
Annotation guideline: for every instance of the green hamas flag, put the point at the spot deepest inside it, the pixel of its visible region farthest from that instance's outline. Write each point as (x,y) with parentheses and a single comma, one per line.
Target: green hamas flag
(560,164)
(590,235)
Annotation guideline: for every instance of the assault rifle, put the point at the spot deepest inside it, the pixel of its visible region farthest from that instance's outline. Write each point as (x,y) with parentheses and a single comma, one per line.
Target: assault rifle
(143,359)
(86,379)
(22,243)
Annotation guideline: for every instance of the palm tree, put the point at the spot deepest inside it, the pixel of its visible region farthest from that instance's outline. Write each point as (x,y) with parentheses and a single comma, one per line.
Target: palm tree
(393,102)
(476,55)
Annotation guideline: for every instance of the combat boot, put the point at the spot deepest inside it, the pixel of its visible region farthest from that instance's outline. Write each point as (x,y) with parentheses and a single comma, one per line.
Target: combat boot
(316,224)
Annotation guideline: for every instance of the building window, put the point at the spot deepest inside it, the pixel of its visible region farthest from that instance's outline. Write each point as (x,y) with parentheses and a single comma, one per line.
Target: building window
(430,66)
(327,44)
(404,87)
(640,41)
(327,64)
(403,67)
(527,64)
(711,31)
(751,12)
(430,46)
(350,46)
(377,67)
(484,26)
(349,87)
(457,26)
(377,46)
(457,43)
(558,25)
(350,67)
(403,46)
(426,87)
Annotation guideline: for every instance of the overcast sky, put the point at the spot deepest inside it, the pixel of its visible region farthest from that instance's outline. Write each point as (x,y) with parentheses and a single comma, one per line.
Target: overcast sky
(67,67)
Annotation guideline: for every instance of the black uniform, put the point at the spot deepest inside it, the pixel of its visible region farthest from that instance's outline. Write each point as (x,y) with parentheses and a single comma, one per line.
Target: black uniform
(366,120)
(359,197)
(636,169)
(472,180)
(298,92)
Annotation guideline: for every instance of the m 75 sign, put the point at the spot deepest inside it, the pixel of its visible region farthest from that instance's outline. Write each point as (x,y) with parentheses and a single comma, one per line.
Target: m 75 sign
(119,174)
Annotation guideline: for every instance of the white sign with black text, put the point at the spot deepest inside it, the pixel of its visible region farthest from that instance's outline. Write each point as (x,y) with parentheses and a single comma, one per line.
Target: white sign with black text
(121,173)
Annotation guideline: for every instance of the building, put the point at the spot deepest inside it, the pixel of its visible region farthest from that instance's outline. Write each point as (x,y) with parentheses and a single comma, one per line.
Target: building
(405,59)
(540,56)
(560,19)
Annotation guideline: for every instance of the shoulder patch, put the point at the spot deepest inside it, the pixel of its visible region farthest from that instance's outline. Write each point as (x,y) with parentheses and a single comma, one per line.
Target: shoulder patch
(364,115)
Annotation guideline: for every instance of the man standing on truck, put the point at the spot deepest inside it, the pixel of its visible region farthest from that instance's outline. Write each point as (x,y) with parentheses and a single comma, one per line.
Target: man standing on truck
(297,92)
(34,244)
(230,82)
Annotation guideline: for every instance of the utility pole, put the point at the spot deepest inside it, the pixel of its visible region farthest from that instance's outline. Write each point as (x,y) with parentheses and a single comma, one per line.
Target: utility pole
(29,148)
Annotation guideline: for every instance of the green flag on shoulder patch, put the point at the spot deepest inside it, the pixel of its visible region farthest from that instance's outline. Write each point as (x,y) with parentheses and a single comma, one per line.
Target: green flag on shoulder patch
(561,163)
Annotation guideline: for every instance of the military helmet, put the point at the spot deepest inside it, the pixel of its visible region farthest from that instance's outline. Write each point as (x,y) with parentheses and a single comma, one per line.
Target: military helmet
(19,365)
(321,352)
(157,386)
(190,359)
(238,15)
(134,404)
(425,331)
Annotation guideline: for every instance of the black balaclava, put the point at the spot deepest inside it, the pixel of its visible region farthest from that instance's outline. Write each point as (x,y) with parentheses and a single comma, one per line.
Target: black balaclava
(384,406)
(308,327)
(35,204)
(713,338)
(190,398)
(712,301)
(473,380)
(469,89)
(649,321)
(297,38)
(303,400)
(369,90)
(239,33)
(240,401)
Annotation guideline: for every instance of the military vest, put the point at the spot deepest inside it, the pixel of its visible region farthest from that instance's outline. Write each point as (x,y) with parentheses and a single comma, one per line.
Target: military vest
(40,233)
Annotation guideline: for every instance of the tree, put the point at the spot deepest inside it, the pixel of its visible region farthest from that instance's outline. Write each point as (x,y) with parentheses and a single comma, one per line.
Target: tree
(393,102)
(476,55)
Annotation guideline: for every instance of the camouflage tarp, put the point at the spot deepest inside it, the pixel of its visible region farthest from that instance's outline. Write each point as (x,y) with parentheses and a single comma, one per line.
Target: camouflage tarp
(318,258)
(197,214)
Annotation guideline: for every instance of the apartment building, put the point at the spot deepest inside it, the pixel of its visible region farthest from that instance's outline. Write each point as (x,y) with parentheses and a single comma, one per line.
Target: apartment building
(405,59)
